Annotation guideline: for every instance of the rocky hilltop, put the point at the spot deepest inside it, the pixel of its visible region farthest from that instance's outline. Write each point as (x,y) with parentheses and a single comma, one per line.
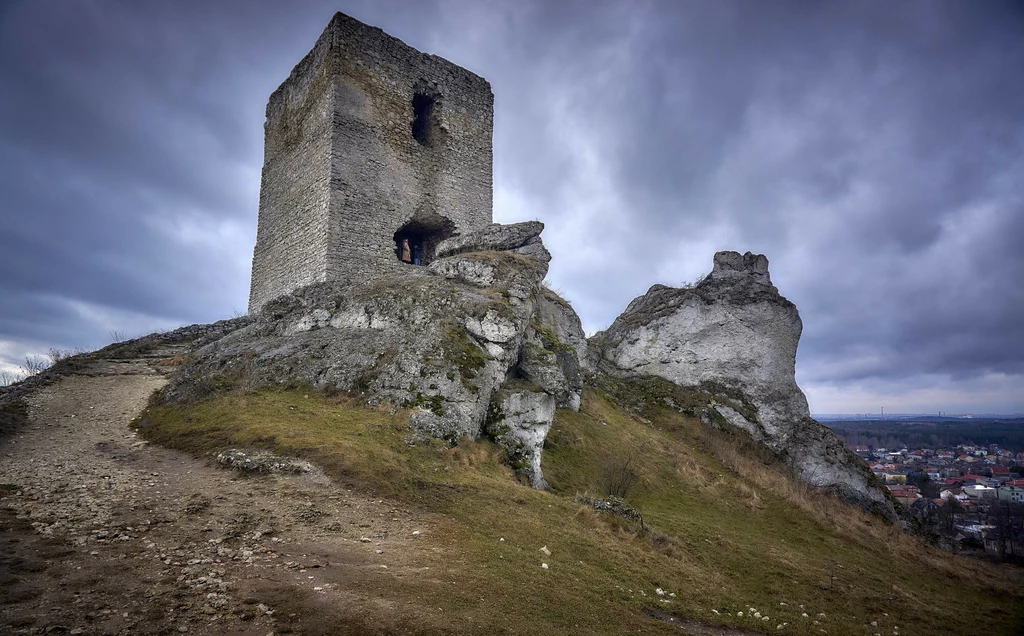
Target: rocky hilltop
(473,343)
(734,337)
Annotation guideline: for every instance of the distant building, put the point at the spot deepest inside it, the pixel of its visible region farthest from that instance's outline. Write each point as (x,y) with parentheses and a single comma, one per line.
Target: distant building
(1013,494)
(953,493)
(906,495)
(978,492)
(1009,543)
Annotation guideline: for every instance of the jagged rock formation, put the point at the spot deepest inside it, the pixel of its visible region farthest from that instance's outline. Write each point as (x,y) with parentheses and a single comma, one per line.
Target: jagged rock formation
(474,335)
(735,337)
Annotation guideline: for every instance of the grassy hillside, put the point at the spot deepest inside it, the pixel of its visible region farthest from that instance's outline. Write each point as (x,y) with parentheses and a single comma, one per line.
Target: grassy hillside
(723,529)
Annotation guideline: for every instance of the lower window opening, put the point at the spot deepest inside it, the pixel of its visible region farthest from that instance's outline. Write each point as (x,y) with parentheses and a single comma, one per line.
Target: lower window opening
(410,247)
(417,240)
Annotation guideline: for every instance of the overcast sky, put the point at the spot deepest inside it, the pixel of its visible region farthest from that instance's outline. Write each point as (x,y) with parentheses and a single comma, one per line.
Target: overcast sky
(874,151)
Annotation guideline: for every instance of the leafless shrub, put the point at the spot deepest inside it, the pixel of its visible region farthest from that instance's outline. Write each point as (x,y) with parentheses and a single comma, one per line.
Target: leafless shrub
(690,284)
(34,364)
(56,355)
(547,284)
(7,378)
(117,336)
(248,372)
(619,474)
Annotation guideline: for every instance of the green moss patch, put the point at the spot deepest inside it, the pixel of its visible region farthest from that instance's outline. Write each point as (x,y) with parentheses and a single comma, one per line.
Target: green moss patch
(460,348)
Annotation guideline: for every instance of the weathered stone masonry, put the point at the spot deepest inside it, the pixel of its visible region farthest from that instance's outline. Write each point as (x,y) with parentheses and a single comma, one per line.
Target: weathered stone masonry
(367,138)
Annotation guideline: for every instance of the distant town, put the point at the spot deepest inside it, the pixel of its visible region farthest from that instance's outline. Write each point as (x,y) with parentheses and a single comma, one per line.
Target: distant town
(963,479)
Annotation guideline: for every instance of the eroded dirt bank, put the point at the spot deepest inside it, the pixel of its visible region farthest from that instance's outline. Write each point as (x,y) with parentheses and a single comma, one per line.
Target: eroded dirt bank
(102,533)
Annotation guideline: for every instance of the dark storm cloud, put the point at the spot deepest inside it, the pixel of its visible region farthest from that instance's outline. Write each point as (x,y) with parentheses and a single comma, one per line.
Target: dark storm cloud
(871,150)
(131,146)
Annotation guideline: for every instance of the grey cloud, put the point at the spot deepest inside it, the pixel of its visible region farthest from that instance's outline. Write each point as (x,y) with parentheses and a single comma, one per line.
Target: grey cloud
(871,150)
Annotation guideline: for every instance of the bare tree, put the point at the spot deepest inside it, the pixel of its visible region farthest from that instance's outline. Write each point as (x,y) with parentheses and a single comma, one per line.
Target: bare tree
(7,378)
(34,364)
(1008,519)
(948,513)
(618,474)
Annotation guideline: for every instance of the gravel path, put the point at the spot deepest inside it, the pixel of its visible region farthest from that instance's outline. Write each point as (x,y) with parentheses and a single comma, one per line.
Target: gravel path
(101,533)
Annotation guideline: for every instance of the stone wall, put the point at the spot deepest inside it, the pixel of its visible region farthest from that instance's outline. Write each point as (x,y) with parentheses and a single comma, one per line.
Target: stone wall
(343,170)
(291,238)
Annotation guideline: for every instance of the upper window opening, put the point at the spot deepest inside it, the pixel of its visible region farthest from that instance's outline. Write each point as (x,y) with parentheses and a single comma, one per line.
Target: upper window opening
(423,123)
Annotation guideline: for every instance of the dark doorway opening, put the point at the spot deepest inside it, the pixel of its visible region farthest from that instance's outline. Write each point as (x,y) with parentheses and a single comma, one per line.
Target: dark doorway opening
(416,241)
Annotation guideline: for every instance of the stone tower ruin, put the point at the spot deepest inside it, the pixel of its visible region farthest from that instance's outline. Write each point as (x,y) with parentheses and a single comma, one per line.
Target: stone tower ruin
(367,142)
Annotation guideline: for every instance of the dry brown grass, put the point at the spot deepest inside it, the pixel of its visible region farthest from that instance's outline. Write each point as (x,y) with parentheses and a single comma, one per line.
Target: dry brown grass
(724,530)
(177,360)
(754,467)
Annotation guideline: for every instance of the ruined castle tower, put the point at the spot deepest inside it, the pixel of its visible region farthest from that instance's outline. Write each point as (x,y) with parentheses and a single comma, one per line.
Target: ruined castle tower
(367,142)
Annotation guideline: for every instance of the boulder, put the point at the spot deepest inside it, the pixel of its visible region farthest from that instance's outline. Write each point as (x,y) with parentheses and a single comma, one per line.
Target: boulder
(746,267)
(497,237)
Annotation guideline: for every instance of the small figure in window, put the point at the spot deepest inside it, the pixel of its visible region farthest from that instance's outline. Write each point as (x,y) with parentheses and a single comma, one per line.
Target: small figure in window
(406,255)
(417,254)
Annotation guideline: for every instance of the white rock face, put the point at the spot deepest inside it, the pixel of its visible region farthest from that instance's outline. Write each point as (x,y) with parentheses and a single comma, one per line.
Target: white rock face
(558,316)
(734,335)
(752,345)
(520,421)
(553,350)
(493,328)
(474,271)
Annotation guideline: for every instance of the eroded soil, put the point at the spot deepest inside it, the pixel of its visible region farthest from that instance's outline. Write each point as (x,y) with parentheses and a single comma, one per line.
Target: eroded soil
(101,533)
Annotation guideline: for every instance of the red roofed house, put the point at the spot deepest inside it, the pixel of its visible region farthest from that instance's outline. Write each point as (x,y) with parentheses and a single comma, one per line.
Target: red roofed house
(905,494)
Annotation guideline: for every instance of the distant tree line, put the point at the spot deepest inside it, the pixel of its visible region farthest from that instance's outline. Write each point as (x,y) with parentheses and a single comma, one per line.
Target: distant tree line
(1007,434)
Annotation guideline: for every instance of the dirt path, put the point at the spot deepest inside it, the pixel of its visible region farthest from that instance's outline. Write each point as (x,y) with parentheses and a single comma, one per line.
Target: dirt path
(101,533)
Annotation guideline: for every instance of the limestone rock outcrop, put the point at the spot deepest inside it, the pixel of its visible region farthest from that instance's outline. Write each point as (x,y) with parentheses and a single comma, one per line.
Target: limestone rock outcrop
(519,420)
(473,334)
(735,337)
(523,238)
